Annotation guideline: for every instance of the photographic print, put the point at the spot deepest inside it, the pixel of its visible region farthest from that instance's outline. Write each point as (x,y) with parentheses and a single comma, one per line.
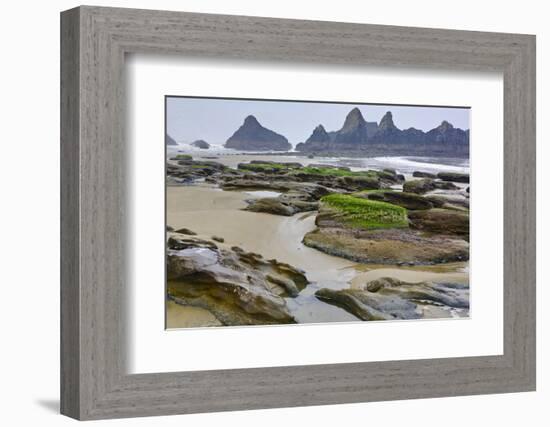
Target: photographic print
(292,212)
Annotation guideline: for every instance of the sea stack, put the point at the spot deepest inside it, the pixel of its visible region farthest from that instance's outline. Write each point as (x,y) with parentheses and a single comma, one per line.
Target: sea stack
(385,138)
(446,132)
(354,131)
(386,124)
(252,136)
(387,131)
(319,134)
(201,143)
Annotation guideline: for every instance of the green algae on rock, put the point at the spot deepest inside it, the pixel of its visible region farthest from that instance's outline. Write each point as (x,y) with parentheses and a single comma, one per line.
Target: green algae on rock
(406,200)
(364,213)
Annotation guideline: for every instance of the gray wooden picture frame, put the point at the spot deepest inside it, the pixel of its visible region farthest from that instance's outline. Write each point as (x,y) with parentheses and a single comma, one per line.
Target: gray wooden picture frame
(94,41)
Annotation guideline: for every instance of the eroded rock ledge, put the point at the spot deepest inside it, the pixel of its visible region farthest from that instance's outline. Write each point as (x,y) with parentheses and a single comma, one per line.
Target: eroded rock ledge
(237,287)
(391,299)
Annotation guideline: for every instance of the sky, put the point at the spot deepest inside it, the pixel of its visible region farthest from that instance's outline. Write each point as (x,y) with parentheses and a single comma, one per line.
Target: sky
(215,120)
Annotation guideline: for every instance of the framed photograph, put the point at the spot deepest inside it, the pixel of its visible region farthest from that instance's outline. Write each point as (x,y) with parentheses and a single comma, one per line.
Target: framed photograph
(365,222)
(262,213)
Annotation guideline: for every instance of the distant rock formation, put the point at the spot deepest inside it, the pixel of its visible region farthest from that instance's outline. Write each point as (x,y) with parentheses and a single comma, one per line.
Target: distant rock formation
(252,136)
(200,143)
(319,135)
(354,130)
(318,140)
(385,138)
(446,133)
(169,140)
(387,131)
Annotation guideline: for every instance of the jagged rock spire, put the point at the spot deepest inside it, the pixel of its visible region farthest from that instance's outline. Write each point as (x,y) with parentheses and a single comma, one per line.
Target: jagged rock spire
(387,122)
(445,126)
(319,134)
(353,120)
(354,130)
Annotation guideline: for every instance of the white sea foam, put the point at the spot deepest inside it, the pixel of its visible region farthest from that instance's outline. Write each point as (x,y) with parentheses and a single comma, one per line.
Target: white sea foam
(214,150)
(426,164)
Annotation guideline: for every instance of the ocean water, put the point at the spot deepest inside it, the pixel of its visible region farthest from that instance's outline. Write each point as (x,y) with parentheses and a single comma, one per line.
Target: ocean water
(214,150)
(407,165)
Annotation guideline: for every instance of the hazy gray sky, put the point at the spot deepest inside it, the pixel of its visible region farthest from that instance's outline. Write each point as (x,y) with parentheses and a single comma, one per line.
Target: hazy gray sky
(215,120)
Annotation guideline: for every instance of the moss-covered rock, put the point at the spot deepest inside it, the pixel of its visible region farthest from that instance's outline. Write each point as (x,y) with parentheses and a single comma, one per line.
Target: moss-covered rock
(363,213)
(419,186)
(235,183)
(182,157)
(454,177)
(442,221)
(407,200)
(449,201)
(338,178)
(424,185)
(445,185)
(358,183)
(267,167)
(186,170)
(332,171)
(369,231)
(420,174)
(390,175)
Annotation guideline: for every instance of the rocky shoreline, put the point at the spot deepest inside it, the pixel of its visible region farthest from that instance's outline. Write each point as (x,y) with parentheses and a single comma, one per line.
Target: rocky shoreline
(369,217)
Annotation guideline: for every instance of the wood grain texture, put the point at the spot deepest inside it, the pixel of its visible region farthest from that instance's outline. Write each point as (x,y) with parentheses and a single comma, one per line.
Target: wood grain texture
(70,180)
(94,236)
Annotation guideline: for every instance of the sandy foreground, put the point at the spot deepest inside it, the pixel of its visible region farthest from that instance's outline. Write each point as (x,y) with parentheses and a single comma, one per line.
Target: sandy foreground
(210,211)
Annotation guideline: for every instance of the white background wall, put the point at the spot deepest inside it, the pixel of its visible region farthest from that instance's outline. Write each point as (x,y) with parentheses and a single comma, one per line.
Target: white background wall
(29,190)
